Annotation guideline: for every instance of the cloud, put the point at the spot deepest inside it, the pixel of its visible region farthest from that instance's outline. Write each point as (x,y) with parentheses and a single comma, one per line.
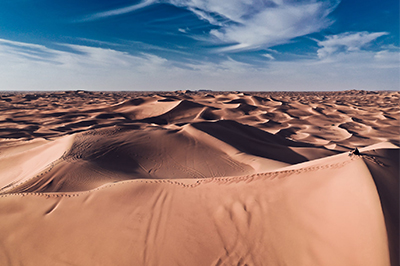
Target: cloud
(256,24)
(248,24)
(269,56)
(25,66)
(21,52)
(77,56)
(37,67)
(118,11)
(346,42)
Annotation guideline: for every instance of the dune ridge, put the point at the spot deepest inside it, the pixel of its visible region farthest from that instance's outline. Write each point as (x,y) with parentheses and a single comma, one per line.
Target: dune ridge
(199,178)
(191,183)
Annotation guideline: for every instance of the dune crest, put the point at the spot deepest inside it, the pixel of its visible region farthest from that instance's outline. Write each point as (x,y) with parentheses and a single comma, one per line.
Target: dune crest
(199,178)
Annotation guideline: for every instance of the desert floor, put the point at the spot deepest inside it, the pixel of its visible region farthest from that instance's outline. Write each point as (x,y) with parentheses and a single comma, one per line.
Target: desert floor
(199,178)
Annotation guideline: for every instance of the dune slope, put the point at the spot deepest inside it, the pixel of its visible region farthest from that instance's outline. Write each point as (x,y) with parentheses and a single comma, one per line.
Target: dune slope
(328,214)
(199,178)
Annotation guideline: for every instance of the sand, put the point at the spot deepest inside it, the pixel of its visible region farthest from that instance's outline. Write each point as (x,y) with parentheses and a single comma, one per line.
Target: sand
(199,178)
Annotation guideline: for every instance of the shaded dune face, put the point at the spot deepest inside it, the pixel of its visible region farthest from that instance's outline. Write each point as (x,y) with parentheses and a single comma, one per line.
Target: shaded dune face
(194,178)
(201,150)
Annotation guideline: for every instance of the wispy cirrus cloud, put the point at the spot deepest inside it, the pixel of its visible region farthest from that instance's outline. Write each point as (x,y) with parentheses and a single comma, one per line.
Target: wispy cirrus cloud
(38,67)
(255,24)
(25,66)
(20,52)
(118,11)
(346,42)
(248,24)
(269,56)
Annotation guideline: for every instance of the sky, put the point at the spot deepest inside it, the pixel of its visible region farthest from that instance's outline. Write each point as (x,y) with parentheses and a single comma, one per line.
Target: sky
(229,45)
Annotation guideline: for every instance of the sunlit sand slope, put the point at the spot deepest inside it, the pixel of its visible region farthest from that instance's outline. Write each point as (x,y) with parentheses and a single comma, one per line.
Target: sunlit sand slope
(326,214)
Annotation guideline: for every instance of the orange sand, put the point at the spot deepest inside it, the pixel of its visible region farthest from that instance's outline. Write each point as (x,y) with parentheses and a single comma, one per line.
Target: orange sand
(185,178)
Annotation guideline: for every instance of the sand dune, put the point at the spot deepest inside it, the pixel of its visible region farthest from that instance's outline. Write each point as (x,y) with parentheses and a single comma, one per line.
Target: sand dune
(199,178)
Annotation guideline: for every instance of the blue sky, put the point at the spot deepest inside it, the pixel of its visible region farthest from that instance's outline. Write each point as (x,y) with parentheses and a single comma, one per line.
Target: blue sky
(241,45)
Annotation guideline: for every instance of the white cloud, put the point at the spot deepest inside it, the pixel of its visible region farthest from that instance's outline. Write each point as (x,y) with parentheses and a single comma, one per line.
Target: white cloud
(269,56)
(37,67)
(346,42)
(25,66)
(249,24)
(256,24)
(118,11)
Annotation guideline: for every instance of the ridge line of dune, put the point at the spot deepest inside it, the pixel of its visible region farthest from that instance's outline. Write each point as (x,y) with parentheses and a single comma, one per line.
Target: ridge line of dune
(200,181)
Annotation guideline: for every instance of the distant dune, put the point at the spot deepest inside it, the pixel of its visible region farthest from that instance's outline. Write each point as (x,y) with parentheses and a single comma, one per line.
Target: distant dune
(199,178)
